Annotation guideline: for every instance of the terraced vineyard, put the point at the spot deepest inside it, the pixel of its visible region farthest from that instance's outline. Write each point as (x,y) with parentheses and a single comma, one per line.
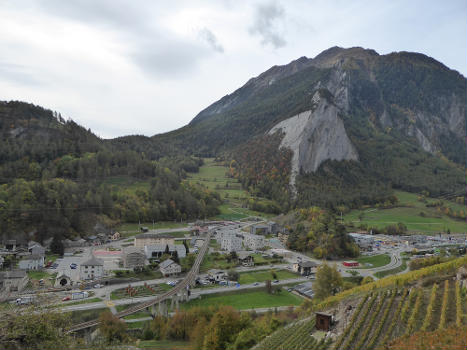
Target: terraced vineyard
(383,316)
(296,336)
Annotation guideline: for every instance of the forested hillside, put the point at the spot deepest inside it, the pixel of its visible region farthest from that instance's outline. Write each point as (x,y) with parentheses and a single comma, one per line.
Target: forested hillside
(55,178)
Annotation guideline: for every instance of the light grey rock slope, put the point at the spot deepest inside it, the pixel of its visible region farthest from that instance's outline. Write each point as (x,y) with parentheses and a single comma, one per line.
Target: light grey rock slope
(315,136)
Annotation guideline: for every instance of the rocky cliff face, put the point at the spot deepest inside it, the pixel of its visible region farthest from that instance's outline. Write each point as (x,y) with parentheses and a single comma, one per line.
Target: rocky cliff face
(315,136)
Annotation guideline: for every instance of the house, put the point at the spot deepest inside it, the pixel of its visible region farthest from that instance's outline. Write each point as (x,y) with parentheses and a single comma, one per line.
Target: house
(253,242)
(13,281)
(169,268)
(36,248)
(157,250)
(245,259)
(323,321)
(273,228)
(152,239)
(217,275)
(305,268)
(133,257)
(114,237)
(350,263)
(91,269)
(232,243)
(31,262)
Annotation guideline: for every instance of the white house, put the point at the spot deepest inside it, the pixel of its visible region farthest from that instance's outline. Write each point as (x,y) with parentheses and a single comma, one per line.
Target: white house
(91,269)
(31,262)
(169,267)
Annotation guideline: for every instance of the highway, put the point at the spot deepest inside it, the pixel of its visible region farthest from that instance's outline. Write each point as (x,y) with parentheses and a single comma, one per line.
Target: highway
(184,284)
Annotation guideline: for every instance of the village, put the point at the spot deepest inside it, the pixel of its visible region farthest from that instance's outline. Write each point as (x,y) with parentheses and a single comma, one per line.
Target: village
(241,255)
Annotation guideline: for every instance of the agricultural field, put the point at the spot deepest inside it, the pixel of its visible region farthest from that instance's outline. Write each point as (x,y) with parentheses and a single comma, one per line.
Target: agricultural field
(252,299)
(413,213)
(388,314)
(374,261)
(261,276)
(296,336)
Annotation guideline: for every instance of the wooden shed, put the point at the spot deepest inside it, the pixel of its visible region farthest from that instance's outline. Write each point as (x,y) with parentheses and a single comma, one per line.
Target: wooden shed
(323,321)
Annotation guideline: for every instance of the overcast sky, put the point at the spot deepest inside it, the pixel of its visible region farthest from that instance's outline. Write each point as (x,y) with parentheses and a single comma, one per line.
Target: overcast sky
(147,66)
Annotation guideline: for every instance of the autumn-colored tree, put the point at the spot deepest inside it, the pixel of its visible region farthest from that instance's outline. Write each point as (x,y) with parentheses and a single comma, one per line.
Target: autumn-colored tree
(158,327)
(112,328)
(328,281)
(222,329)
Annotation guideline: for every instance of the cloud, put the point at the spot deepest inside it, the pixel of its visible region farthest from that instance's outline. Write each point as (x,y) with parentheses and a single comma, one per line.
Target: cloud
(170,58)
(208,36)
(266,21)
(18,74)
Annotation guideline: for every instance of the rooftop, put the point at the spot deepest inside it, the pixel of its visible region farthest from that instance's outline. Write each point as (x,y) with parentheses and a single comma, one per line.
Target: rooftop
(93,261)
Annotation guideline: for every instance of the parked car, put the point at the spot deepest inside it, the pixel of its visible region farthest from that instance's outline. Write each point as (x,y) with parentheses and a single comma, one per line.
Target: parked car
(66,298)
(73,266)
(54,266)
(276,281)
(98,285)
(256,284)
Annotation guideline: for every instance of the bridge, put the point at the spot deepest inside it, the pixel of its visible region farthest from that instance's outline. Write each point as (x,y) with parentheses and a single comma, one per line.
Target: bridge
(179,292)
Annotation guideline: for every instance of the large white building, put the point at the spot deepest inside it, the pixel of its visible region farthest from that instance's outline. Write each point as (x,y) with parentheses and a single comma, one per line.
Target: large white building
(232,243)
(91,269)
(153,238)
(253,242)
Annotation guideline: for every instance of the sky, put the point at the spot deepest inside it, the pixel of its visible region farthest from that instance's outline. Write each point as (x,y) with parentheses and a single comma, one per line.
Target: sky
(150,66)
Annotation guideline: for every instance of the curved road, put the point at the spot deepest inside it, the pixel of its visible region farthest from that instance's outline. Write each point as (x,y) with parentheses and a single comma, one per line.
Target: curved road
(184,284)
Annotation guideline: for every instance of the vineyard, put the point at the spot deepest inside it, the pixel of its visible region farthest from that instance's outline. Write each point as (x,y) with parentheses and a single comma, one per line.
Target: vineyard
(379,317)
(296,336)
(386,315)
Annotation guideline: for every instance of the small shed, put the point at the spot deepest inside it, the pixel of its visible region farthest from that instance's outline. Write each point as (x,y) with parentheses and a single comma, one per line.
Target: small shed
(323,321)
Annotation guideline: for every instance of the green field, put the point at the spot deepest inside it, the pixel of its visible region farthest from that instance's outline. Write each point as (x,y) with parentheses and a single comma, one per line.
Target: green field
(164,345)
(132,228)
(247,300)
(37,275)
(261,276)
(136,315)
(409,211)
(211,262)
(375,261)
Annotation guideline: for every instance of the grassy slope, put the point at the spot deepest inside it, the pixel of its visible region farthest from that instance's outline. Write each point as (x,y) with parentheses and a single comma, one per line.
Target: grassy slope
(408,212)
(213,176)
(247,300)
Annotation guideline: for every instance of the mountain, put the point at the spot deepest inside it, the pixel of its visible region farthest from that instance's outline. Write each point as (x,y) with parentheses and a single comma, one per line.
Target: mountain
(349,116)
